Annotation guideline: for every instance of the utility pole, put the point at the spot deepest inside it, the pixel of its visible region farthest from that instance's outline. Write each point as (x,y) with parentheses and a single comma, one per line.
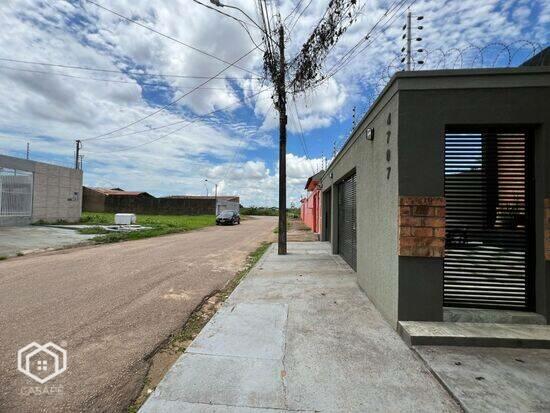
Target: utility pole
(77,154)
(28,149)
(281,106)
(409,40)
(339,15)
(216,197)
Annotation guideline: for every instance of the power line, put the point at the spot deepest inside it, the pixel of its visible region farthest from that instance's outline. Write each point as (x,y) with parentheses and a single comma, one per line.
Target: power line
(301,136)
(128,72)
(298,4)
(181,121)
(342,62)
(267,29)
(241,22)
(168,37)
(187,123)
(299,16)
(230,165)
(172,102)
(103,80)
(367,36)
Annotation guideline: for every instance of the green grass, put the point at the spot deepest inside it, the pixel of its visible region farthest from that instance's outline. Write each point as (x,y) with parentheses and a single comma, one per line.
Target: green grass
(160,225)
(3,257)
(266,211)
(276,229)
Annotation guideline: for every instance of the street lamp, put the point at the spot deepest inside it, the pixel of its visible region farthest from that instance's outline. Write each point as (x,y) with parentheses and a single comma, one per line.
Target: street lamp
(218,3)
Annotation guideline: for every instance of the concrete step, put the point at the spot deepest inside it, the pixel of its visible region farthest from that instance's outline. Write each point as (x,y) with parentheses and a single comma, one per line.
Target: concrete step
(481,315)
(419,333)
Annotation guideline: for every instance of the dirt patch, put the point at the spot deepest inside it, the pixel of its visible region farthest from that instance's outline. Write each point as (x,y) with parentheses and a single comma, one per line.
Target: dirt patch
(300,232)
(168,353)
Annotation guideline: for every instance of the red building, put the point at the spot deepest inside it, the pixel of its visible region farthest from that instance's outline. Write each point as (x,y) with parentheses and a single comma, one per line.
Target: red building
(311,207)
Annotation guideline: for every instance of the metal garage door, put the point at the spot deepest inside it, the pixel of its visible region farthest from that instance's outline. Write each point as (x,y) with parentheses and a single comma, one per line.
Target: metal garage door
(487,188)
(347,228)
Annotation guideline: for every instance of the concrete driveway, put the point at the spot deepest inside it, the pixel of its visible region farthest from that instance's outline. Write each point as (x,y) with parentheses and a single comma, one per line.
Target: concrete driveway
(298,335)
(32,238)
(109,306)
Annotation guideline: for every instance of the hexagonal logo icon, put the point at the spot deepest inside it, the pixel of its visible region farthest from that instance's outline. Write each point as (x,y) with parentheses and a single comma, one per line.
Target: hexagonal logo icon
(42,362)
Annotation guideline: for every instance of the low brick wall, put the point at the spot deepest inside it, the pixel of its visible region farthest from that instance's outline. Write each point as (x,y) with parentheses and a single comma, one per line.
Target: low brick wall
(547,229)
(421,226)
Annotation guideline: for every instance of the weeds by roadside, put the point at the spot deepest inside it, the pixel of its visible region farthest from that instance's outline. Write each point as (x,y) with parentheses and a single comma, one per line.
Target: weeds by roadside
(160,225)
(167,355)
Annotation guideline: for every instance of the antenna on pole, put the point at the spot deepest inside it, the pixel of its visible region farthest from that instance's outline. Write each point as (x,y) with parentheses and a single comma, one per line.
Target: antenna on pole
(28,149)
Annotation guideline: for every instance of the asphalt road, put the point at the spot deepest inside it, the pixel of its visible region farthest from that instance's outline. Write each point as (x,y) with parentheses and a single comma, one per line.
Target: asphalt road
(109,306)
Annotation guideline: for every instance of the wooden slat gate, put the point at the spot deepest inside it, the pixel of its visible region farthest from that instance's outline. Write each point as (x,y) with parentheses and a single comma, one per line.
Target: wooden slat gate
(488,230)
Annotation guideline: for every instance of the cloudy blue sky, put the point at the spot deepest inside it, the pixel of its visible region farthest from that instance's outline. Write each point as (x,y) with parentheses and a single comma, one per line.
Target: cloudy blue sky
(174,150)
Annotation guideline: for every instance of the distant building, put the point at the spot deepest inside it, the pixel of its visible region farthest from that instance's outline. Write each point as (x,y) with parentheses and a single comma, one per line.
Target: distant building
(309,211)
(33,191)
(118,200)
(220,203)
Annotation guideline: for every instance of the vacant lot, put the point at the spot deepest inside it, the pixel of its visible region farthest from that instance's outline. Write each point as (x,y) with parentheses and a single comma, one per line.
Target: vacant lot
(160,225)
(111,306)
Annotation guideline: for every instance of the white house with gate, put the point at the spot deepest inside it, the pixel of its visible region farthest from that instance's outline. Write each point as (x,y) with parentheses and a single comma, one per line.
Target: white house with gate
(33,191)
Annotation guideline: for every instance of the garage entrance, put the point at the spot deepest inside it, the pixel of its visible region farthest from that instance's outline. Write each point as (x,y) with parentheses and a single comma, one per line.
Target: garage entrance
(488,228)
(15,193)
(326,214)
(347,221)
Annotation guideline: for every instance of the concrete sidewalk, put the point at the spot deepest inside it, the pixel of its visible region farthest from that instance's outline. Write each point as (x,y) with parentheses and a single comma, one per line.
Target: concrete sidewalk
(299,335)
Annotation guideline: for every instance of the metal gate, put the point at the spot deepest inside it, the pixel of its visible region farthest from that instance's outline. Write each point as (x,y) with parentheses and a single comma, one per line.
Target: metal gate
(347,227)
(488,228)
(15,193)
(326,209)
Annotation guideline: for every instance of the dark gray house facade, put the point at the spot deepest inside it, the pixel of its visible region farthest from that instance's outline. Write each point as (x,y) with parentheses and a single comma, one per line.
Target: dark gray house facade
(440,197)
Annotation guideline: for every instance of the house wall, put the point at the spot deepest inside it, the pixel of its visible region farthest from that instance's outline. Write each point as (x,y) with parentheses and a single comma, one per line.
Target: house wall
(310,210)
(137,204)
(427,105)
(377,192)
(225,205)
(402,277)
(57,192)
(93,201)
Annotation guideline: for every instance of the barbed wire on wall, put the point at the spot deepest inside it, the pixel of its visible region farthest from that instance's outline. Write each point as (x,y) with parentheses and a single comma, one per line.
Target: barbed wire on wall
(491,55)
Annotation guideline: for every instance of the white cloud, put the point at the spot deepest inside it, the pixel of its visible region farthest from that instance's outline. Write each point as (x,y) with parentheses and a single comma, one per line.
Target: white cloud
(235,147)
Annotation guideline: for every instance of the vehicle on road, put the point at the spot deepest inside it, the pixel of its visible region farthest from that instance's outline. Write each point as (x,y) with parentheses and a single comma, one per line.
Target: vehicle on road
(228,217)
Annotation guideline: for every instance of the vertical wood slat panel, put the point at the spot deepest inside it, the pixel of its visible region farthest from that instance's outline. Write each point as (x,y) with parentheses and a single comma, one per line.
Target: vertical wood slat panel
(487,229)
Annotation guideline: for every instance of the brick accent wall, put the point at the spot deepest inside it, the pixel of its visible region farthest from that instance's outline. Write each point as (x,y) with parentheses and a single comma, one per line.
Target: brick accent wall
(547,229)
(421,226)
